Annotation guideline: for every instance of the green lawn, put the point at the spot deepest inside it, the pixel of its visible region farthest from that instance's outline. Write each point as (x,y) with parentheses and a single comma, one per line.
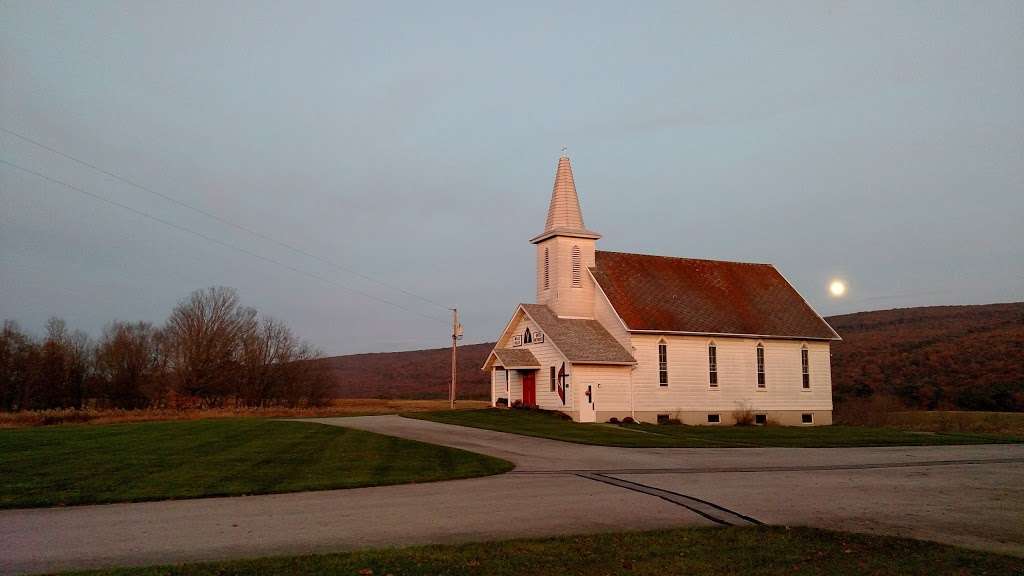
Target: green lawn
(87,464)
(690,551)
(547,425)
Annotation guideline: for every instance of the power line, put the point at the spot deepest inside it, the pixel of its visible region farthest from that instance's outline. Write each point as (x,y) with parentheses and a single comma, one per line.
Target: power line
(223,220)
(216,241)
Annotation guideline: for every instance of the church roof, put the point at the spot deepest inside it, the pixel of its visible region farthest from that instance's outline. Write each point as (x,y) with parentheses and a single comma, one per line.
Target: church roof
(663,294)
(580,340)
(512,358)
(564,215)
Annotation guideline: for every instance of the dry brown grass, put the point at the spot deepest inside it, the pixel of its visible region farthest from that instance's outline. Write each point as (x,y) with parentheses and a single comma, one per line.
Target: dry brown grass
(338,407)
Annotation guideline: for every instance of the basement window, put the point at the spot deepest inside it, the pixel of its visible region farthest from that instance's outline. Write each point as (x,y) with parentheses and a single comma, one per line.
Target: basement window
(714,418)
(807,418)
(662,418)
(760,419)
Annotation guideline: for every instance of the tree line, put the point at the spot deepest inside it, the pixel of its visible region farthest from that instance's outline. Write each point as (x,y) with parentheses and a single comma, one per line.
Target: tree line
(211,352)
(933,358)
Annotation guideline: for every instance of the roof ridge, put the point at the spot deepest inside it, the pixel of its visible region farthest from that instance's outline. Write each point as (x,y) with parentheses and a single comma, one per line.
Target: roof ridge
(686,258)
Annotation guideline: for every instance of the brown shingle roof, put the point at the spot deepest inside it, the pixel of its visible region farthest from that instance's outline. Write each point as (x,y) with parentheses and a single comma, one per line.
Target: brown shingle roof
(516,358)
(581,341)
(663,294)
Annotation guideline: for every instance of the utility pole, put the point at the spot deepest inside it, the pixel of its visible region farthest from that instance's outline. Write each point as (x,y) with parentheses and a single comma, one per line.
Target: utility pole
(456,334)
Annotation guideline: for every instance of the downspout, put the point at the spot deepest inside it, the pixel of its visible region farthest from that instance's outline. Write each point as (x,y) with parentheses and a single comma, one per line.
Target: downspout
(632,407)
(632,401)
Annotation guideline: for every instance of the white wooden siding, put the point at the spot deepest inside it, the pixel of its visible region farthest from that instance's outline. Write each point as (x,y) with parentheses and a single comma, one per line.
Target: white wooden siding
(610,385)
(688,387)
(498,384)
(562,297)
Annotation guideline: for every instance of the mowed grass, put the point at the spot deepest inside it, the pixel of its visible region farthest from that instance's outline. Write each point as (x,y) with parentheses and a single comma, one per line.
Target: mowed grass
(690,551)
(960,421)
(68,465)
(548,425)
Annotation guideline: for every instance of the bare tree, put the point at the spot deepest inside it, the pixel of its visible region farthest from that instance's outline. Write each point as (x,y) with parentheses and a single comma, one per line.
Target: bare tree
(204,336)
(129,366)
(276,367)
(18,363)
(63,369)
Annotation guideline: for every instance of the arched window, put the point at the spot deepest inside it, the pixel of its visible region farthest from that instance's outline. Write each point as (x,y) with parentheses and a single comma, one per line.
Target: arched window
(662,363)
(712,365)
(577,268)
(760,365)
(805,367)
(547,269)
(527,337)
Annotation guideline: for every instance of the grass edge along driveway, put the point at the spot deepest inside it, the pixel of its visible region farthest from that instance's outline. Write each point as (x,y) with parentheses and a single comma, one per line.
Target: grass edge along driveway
(99,464)
(548,425)
(696,551)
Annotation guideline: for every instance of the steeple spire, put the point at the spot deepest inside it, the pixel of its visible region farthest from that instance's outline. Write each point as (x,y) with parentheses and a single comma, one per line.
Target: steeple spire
(564,215)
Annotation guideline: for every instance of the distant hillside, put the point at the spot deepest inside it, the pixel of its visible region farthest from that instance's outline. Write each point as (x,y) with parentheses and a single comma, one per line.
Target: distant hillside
(419,374)
(969,357)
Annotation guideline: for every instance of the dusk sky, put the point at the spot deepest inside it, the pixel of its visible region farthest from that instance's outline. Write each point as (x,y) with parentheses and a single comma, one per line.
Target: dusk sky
(416,143)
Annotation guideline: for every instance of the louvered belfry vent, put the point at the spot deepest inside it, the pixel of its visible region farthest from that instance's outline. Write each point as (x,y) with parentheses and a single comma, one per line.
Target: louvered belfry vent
(577,267)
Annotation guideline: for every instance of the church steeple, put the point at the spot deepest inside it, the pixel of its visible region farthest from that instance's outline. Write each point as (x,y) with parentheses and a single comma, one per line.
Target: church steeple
(564,215)
(565,251)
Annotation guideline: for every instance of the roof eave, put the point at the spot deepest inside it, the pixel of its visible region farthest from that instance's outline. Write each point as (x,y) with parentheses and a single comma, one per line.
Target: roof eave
(571,233)
(734,335)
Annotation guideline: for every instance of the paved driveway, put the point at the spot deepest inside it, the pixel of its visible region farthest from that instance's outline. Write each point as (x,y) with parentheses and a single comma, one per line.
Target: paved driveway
(966,495)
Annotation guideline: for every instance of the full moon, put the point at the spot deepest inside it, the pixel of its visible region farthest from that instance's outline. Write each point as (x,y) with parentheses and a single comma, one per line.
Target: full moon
(837,288)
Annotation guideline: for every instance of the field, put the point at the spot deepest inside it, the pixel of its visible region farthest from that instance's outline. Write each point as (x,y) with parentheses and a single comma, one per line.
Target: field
(547,425)
(68,465)
(696,551)
(338,407)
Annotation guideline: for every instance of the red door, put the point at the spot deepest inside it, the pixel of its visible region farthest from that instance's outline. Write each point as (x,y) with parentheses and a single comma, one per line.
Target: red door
(530,388)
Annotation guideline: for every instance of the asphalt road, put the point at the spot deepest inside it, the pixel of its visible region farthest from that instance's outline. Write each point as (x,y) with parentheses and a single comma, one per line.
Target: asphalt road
(966,495)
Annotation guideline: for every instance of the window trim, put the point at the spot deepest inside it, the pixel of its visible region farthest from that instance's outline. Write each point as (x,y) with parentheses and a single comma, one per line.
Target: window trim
(662,363)
(805,368)
(713,365)
(759,359)
(717,418)
(809,418)
(527,336)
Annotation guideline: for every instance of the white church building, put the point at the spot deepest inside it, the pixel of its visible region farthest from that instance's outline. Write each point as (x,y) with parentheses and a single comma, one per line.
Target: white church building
(656,338)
